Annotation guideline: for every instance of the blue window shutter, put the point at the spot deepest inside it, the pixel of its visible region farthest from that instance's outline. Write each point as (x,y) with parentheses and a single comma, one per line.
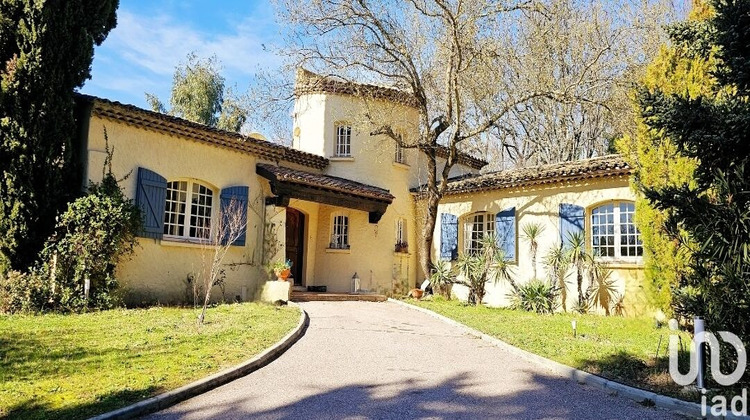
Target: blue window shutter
(505,232)
(151,197)
(572,220)
(240,195)
(448,237)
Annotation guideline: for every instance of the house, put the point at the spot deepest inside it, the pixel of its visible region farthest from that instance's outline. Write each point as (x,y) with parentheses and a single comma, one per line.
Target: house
(341,204)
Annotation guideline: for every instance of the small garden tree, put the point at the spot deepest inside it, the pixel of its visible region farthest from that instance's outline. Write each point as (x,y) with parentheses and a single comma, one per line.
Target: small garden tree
(231,225)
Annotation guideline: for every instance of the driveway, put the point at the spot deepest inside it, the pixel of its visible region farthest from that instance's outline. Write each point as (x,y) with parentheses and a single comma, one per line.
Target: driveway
(362,360)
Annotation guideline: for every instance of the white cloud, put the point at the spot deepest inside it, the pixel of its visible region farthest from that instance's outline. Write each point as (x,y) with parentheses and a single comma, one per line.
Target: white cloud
(158,44)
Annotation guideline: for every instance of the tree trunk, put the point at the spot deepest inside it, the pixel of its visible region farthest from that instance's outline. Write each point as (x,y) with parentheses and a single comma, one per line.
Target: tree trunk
(428,229)
(202,316)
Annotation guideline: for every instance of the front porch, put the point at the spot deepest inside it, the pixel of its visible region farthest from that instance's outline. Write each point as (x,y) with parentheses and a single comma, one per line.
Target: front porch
(336,235)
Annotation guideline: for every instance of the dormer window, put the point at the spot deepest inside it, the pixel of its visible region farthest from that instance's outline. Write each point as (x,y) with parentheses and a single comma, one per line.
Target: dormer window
(343,146)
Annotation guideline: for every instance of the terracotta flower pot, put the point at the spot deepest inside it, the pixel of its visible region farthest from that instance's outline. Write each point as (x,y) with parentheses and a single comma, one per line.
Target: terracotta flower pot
(283,274)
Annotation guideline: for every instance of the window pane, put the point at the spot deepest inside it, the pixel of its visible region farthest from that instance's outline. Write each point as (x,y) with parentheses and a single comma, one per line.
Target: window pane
(174,209)
(603,231)
(200,210)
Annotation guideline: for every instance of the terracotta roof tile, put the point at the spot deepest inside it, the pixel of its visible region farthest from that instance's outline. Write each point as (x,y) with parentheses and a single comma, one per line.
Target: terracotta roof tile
(326,182)
(307,82)
(179,127)
(599,167)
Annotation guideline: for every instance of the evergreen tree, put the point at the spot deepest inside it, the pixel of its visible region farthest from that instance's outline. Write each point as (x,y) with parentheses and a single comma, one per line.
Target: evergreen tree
(710,127)
(46,49)
(199,95)
(657,163)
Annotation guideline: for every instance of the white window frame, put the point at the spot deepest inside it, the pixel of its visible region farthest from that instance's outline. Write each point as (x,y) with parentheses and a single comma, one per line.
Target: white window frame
(340,228)
(185,213)
(400,155)
(342,146)
(481,224)
(401,232)
(618,234)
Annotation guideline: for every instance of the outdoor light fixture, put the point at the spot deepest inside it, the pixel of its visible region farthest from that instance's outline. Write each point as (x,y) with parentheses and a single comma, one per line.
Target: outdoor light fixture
(574,324)
(355,282)
(699,329)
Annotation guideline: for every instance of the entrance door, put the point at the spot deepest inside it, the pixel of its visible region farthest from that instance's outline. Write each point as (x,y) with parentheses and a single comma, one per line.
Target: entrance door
(295,243)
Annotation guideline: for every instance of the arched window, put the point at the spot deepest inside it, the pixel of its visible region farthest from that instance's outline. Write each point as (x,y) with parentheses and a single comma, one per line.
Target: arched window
(340,232)
(476,227)
(613,231)
(188,210)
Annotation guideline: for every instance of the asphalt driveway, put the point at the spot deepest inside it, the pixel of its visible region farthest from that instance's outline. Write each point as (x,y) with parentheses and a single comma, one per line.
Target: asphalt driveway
(361,360)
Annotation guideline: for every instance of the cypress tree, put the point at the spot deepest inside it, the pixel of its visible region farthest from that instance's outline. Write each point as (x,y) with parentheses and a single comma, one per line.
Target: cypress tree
(46,49)
(658,163)
(712,128)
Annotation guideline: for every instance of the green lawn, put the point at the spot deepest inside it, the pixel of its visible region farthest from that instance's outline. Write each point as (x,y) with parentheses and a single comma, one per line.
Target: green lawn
(622,349)
(75,366)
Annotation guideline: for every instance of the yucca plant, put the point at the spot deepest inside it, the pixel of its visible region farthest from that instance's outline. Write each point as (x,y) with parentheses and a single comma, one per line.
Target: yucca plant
(441,278)
(580,260)
(602,291)
(489,264)
(535,296)
(531,233)
(558,265)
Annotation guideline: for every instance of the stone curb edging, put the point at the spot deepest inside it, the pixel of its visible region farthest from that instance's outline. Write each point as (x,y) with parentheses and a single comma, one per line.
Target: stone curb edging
(685,408)
(200,386)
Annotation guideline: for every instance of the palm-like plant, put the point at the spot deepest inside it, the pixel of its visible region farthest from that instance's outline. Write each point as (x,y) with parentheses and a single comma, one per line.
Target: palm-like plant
(489,264)
(532,232)
(580,259)
(441,278)
(558,264)
(602,290)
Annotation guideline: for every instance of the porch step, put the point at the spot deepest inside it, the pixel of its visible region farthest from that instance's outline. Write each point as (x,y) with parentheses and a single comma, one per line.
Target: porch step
(336,297)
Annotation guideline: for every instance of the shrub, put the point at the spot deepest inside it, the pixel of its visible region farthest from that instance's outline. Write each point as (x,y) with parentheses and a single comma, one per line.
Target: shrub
(91,237)
(441,278)
(23,292)
(536,296)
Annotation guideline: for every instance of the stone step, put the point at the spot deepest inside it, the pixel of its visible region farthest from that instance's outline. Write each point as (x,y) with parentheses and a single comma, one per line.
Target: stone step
(336,297)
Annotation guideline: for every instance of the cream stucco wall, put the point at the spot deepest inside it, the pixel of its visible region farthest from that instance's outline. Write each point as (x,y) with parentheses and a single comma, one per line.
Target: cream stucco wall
(159,269)
(541,205)
(372,254)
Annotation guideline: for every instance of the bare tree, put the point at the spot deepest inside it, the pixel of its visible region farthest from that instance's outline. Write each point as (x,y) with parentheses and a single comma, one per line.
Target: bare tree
(458,59)
(559,42)
(231,224)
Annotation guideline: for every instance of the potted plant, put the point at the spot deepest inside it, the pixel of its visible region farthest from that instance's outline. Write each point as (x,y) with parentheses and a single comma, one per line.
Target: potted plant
(402,247)
(282,269)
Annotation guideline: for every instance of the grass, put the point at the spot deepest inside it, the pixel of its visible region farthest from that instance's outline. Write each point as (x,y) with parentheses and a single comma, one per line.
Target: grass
(621,349)
(76,366)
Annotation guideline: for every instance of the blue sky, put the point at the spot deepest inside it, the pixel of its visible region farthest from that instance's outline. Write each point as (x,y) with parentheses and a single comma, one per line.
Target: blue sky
(152,37)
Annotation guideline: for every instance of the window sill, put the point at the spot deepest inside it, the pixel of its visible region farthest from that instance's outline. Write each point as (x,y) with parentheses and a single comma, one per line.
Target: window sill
(401,254)
(338,251)
(341,159)
(184,242)
(400,165)
(612,263)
